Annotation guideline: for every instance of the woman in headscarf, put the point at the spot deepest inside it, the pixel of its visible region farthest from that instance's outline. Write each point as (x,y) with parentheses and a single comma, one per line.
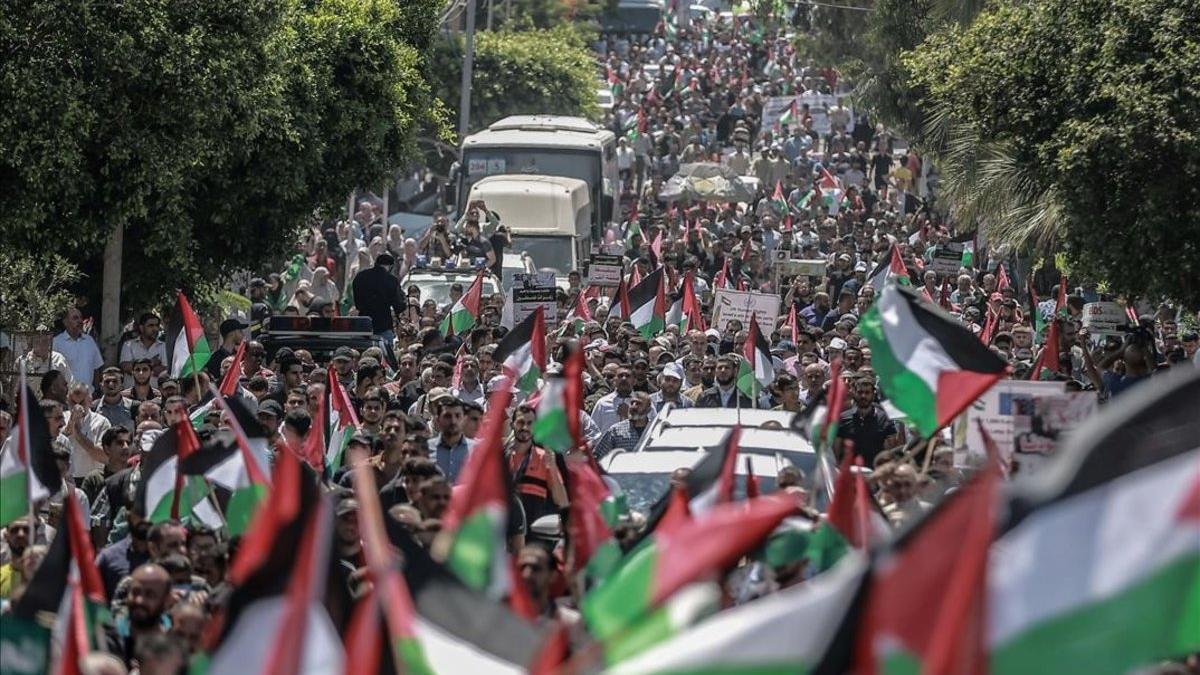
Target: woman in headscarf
(395,241)
(302,298)
(322,287)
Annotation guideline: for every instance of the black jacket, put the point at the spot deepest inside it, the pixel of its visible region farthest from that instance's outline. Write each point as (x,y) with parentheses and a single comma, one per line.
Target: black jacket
(711,398)
(377,294)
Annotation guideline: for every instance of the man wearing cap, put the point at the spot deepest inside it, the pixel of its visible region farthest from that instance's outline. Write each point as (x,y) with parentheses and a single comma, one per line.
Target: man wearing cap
(343,365)
(377,294)
(269,414)
(670,382)
(231,337)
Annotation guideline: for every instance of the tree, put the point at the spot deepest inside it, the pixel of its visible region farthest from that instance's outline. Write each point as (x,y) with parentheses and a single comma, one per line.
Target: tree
(206,129)
(1097,104)
(33,289)
(521,73)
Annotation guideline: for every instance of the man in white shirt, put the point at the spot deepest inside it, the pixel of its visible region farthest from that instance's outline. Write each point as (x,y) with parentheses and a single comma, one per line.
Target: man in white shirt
(83,427)
(80,350)
(614,407)
(145,346)
(41,358)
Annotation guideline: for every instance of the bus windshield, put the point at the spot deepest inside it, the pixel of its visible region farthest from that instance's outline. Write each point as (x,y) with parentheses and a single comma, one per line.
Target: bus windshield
(549,252)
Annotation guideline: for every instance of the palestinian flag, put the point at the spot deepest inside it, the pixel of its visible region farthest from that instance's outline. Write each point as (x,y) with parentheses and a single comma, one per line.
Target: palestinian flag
(473,537)
(853,512)
(68,586)
(619,306)
(236,461)
(190,352)
(557,424)
(458,630)
(28,472)
(342,423)
(928,365)
(648,305)
(710,482)
(579,313)
(890,268)
(757,370)
(1002,280)
(721,278)
(164,490)
(275,622)
(667,561)
(522,351)
(230,381)
(693,314)
(592,515)
(1047,365)
(1097,567)
(464,313)
(778,200)
(786,632)
(790,116)
(924,610)
(314,445)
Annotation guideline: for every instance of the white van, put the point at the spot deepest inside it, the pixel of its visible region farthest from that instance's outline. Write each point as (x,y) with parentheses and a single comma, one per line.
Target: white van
(549,217)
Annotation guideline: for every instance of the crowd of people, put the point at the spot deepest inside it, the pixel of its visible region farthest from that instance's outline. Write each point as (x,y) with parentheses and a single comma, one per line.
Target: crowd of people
(849,200)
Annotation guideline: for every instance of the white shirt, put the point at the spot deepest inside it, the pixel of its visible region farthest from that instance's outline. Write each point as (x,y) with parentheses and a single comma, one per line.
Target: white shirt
(82,355)
(133,350)
(604,413)
(35,367)
(93,427)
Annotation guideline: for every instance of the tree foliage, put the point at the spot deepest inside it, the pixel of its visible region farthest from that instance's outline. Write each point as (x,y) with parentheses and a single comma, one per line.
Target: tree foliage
(33,289)
(1098,104)
(521,73)
(209,129)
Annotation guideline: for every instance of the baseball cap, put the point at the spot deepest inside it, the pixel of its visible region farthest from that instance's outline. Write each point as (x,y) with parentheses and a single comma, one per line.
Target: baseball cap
(363,438)
(270,407)
(230,325)
(837,343)
(860,267)
(673,370)
(785,346)
(347,506)
(438,393)
(343,353)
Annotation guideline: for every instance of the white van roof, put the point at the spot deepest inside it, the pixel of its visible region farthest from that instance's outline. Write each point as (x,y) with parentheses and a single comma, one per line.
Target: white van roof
(534,204)
(541,131)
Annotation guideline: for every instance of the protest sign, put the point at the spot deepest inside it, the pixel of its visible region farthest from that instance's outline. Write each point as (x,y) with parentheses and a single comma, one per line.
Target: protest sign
(947,259)
(1039,433)
(774,108)
(730,305)
(605,270)
(530,291)
(1102,319)
(997,408)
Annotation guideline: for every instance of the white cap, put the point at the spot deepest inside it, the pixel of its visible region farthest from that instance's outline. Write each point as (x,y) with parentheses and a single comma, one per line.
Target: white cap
(673,370)
(837,343)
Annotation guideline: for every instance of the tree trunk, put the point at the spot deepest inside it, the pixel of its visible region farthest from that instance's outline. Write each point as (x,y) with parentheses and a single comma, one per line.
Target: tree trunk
(110,301)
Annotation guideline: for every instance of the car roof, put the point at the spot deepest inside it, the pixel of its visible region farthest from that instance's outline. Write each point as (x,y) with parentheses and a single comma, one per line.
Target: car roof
(757,441)
(726,417)
(665,462)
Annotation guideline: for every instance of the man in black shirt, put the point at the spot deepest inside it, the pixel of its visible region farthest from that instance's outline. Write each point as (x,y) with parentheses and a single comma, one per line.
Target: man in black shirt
(866,423)
(377,294)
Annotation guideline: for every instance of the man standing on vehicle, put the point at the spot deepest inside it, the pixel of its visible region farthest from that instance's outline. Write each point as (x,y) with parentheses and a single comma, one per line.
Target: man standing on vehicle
(377,294)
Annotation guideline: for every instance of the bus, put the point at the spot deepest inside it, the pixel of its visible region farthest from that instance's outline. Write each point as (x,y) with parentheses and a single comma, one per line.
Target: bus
(547,145)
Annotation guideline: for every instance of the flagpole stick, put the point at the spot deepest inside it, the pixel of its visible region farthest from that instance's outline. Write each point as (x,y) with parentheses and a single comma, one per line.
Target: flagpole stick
(23,436)
(929,453)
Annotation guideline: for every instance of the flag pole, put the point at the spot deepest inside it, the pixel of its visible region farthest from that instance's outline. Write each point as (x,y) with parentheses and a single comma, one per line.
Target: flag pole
(23,438)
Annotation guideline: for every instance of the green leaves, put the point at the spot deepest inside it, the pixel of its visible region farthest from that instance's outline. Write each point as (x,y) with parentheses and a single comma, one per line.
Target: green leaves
(210,128)
(1077,125)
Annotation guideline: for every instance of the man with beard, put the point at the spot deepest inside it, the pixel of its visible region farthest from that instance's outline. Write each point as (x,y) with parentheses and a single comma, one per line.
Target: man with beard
(866,423)
(724,393)
(450,448)
(143,616)
(670,381)
(608,409)
(625,434)
(537,477)
(117,559)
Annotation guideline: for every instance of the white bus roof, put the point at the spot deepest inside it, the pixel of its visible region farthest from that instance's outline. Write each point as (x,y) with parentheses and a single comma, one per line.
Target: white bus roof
(541,131)
(534,204)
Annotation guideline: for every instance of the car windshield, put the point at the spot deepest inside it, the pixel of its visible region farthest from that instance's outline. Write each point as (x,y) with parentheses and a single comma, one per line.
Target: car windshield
(438,287)
(643,489)
(549,252)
